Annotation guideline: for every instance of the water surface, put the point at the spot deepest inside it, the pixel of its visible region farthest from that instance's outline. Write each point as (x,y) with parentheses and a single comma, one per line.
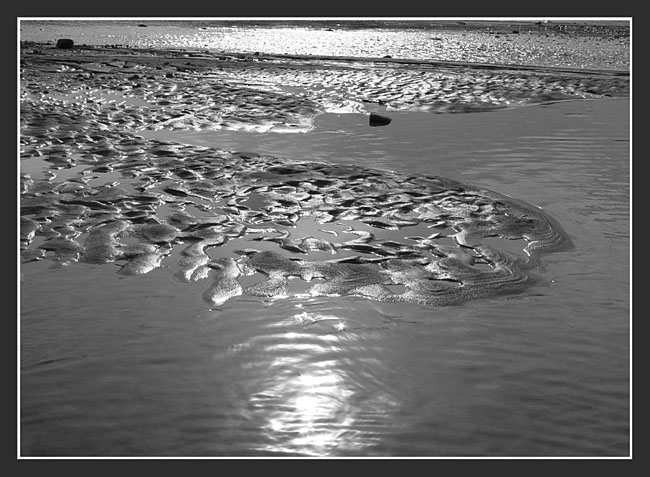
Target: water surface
(130,366)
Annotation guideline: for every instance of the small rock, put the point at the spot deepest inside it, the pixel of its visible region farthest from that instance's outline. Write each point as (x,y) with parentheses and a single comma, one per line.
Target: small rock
(379,120)
(64,43)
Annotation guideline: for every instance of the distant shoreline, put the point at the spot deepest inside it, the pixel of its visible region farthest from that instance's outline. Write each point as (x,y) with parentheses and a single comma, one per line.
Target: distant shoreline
(586,27)
(82,52)
(583,45)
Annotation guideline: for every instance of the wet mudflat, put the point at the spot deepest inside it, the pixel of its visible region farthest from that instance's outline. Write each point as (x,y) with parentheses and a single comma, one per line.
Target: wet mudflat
(83,222)
(182,298)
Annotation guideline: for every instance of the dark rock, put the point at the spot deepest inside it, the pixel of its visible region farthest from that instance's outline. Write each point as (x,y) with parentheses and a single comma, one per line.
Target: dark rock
(378,120)
(515,32)
(387,56)
(142,25)
(64,43)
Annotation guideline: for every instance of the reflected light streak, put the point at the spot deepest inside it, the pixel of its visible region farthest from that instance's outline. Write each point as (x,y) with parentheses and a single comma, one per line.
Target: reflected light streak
(316,415)
(310,409)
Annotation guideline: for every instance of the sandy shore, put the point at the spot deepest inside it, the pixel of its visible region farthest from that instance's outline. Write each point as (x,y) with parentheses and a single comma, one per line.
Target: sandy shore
(582,45)
(194,90)
(219,252)
(126,199)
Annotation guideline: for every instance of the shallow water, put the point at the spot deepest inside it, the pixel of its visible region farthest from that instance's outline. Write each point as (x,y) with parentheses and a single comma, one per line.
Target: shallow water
(120,365)
(126,366)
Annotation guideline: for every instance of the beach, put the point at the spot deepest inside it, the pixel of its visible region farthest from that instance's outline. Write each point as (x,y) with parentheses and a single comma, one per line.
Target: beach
(221,256)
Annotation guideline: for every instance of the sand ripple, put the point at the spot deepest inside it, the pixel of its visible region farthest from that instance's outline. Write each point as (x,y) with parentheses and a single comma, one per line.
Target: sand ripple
(260,225)
(388,236)
(180,91)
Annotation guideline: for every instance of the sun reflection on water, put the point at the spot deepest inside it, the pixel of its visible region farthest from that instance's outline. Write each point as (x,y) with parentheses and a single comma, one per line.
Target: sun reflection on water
(315,415)
(312,405)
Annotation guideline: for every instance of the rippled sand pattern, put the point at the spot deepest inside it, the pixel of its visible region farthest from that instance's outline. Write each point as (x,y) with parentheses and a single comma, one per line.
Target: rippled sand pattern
(426,88)
(198,91)
(256,225)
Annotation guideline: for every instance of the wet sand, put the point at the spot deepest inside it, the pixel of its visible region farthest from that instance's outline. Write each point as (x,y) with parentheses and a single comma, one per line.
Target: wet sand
(215,196)
(82,113)
(587,44)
